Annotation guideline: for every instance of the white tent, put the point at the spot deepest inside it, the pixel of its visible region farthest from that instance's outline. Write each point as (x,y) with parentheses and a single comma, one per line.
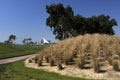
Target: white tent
(44,41)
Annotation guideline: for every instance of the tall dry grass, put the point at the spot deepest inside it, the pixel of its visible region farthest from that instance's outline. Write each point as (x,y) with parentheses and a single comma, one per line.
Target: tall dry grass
(99,47)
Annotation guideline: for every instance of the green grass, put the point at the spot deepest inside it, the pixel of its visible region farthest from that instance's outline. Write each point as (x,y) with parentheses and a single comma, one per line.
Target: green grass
(7,50)
(17,71)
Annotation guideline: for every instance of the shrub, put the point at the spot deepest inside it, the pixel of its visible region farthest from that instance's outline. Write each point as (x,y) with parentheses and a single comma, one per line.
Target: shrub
(36,59)
(116,66)
(40,63)
(110,61)
(52,62)
(47,59)
(81,63)
(30,61)
(59,66)
(96,67)
(66,61)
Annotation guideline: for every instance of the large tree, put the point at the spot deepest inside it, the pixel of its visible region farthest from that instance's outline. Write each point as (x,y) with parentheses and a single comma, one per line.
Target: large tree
(64,24)
(101,24)
(60,20)
(106,24)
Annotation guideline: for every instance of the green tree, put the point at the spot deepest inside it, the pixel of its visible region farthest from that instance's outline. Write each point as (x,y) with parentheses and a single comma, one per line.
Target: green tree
(12,39)
(79,25)
(101,24)
(27,41)
(24,41)
(64,24)
(106,24)
(60,20)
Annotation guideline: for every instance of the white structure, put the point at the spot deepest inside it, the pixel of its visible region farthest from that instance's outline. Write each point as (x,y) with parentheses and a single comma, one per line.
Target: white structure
(44,41)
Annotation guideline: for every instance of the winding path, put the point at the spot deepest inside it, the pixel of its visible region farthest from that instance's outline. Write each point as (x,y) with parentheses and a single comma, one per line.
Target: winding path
(9,60)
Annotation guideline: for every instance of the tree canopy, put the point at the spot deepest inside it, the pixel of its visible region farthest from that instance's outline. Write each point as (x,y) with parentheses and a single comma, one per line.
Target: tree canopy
(11,39)
(65,24)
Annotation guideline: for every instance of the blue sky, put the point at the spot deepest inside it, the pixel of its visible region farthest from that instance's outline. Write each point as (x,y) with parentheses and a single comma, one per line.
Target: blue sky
(27,18)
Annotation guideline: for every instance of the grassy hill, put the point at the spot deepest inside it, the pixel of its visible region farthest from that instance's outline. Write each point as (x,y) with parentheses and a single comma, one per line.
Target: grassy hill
(7,50)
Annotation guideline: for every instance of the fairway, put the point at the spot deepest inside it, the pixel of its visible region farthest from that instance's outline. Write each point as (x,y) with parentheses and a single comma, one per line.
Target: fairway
(7,50)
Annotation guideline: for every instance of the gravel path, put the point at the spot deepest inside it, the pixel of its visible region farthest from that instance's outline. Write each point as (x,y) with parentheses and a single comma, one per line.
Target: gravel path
(9,60)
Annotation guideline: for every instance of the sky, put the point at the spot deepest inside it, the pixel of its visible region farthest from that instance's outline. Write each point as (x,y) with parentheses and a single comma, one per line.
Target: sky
(27,18)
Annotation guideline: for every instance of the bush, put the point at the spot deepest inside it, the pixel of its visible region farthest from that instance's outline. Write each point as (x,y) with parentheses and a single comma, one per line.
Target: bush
(115,66)
(59,66)
(66,62)
(81,63)
(36,59)
(110,61)
(46,59)
(40,63)
(30,61)
(97,67)
(52,62)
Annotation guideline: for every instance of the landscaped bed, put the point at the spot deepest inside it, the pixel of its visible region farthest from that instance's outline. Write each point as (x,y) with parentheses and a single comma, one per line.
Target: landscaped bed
(71,70)
(89,56)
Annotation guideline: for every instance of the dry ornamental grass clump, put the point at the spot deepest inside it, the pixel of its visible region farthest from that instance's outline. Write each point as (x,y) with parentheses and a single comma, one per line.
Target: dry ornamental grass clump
(94,50)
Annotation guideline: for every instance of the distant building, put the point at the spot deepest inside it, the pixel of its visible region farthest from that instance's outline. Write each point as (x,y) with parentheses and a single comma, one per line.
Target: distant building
(44,41)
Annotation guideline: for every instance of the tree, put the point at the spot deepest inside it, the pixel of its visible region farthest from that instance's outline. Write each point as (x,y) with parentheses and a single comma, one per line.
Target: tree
(106,24)
(7,42)
(12,39)
(27,41)
(60,20)
(96,24)
(101,24)
(79,25)
(24,41)
(64,24)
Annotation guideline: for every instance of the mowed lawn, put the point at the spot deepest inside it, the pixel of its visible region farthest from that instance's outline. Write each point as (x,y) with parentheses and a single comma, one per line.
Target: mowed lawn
(7,50)
(17,71)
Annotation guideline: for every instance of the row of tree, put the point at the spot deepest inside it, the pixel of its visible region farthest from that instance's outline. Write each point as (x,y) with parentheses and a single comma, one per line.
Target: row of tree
(65,24)
(12,38)
(28,41)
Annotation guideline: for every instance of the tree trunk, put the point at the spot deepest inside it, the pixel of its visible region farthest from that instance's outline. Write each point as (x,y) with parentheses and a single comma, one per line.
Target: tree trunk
(63,35)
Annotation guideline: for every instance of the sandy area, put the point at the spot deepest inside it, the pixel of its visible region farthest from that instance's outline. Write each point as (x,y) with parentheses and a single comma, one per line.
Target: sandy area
(75,72)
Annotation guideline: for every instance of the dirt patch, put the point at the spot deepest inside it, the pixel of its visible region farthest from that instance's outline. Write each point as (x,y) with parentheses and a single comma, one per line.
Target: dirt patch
(75,72)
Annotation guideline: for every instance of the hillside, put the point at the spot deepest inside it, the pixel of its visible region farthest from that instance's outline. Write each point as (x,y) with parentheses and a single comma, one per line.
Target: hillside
(96,53)
(7,50)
